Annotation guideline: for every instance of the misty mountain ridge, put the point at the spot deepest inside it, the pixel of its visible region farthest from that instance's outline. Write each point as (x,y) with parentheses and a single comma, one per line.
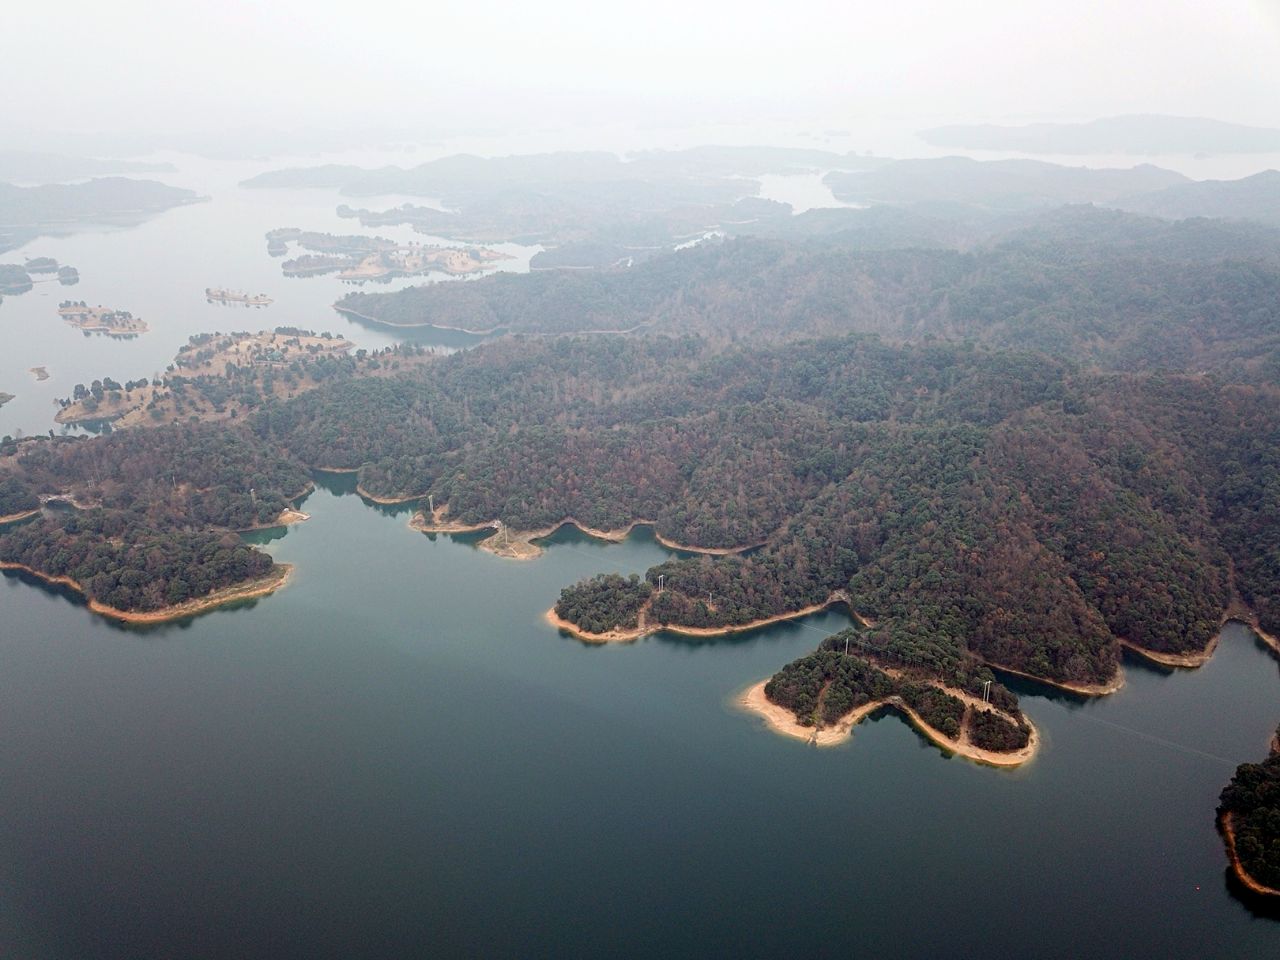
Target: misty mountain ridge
(1250,198)
(1138,134)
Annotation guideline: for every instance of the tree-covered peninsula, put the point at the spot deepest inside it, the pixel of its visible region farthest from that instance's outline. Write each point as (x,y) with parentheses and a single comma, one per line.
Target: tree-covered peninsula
(1249,817)
(974,508)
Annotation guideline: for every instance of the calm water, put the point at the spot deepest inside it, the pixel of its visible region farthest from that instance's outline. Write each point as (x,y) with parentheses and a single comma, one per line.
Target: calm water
(159,270)
(395,756)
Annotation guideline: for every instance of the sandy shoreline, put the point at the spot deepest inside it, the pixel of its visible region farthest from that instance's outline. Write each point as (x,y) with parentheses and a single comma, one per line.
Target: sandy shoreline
(782,721)
(387,501)
(242,591)
(408,326)
(1084,689)
(644,628)
(519,545)
(1188,661)
(1229,835)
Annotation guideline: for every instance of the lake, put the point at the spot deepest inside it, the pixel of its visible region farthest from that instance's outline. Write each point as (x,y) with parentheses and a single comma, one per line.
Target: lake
(159,269)
(396,756)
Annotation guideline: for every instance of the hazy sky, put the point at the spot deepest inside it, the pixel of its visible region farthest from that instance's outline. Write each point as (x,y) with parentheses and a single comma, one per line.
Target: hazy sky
(225,64)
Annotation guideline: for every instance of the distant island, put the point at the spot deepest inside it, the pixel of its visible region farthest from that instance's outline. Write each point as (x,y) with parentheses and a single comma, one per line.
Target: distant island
(16,278)
(1135,134)
(100,319)
(5,398)
(221,295)
(40,168)
(358,259)
(27,212)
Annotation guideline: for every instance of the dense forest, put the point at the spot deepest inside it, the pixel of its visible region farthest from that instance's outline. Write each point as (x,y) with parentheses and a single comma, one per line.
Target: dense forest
(978,507)
(827,684)
(1094,286)
(156,510)
(130,566)
(1252,799)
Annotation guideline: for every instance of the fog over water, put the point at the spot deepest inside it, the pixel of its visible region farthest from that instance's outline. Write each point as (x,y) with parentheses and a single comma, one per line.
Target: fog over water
(204,73)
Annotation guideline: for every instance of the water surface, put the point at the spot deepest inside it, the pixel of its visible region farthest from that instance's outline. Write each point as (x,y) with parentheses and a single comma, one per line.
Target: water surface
(395,756)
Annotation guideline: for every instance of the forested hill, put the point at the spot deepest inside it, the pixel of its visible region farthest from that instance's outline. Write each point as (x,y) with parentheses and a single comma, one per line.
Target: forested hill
(1099,287)
(971,502)
(1253,198)
(107,196)
(979,506)
(995,186)
(24,209)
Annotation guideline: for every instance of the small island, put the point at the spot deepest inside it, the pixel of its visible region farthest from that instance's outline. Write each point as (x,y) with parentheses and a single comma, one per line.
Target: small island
(220,295)
(5,398)
(358,259)
(40,373)
(14,279)
(100,319)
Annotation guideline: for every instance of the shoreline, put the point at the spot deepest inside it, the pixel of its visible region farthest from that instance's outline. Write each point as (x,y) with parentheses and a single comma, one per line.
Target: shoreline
(248,590)
(438,524)
(411,326)
(782,721)
(1184,661)
(1083,689)
(1250,620)
(645,629)
(521,542)
(385,501)
(1229,835)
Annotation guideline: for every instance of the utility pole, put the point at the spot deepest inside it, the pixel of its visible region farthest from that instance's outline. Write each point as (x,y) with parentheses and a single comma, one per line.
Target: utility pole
(846,644)
(986,692)
(661,578)
(431,503)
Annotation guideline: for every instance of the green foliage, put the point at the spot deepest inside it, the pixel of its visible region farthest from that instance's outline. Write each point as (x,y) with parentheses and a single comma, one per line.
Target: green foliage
(1127,293)
(605,602)
(1253,800)
(15,496)
(131,566)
